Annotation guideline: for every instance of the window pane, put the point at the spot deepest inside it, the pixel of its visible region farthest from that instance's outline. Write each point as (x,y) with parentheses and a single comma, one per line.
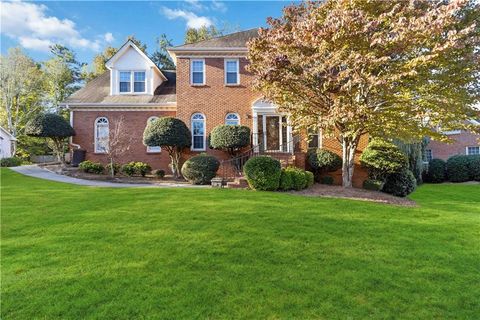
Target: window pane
(197,128)
(473,150)
(232,66)
(139,76)
(125,76)
(197,66)
(139,86)
(154,149)
(198,142)
(197,77)
(124,86)
(231,78)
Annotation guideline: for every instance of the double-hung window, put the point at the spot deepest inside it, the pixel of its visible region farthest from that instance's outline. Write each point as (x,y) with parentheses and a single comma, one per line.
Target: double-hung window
(102,135)
(473,150)
(139,81)
(428,155)
(125,81)
(155,149)
(135,77)
(197,71)
(232,74)
(314,138)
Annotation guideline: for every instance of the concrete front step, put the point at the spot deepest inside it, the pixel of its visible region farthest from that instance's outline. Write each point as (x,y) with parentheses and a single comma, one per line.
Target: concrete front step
(239,183)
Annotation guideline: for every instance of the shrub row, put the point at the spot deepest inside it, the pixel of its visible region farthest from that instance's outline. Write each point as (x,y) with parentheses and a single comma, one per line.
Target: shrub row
(459,168)
(129,169)
(265,173)
(10,162)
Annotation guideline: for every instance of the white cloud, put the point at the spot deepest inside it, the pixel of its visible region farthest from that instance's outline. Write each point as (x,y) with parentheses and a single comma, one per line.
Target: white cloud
(30,25)
(194,4)
(109,37)
(193,21)
(219,6)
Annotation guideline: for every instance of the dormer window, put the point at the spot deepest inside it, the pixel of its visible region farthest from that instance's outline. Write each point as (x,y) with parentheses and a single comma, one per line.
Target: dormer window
(138,79)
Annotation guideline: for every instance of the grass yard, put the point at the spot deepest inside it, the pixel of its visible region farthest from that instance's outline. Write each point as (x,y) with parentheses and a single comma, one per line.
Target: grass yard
(71,252)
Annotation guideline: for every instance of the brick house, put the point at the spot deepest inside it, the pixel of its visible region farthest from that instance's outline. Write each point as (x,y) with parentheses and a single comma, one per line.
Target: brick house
(210,87)
(464,142)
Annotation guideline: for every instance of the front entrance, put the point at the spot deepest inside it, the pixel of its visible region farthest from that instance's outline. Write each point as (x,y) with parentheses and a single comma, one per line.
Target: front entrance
(272,133)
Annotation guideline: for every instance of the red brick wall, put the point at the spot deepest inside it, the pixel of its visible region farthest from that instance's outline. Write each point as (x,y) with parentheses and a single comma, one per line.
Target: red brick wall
(444,151)
(134,124)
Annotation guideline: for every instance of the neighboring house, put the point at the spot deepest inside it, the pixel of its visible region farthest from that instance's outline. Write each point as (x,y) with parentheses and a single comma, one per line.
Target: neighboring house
(210,87)
(6,140)
(464,142)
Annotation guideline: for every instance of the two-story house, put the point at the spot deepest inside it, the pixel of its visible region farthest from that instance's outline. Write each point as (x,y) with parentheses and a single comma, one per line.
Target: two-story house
(210,87)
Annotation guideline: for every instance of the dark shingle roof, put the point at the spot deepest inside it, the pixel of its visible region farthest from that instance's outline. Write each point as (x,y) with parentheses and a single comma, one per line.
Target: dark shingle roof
(233,40)
(98,91)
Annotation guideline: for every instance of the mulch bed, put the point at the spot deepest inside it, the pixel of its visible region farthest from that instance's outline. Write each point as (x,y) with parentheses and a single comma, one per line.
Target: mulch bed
(322,190)
(119,178)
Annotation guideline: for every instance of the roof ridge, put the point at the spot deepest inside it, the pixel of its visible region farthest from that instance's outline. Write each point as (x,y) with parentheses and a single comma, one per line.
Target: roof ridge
(217,37)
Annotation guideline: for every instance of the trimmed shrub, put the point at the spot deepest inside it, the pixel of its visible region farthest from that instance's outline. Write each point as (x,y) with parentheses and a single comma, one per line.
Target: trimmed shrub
(310,178)
(474,167)
(286,180)
(200,169)
(160,173)
(229,138)
(374,185)
(436,171)
(142,168)
(91,167)
(11,162)
(382,158)
(171,134)
(326,180)
(457,168)
(299,179)
(129,168)
(324,160)
(400,184)
(263,173)
(116,168)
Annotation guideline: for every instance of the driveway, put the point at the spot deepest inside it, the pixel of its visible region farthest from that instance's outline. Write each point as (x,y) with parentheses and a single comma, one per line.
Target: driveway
(38,172)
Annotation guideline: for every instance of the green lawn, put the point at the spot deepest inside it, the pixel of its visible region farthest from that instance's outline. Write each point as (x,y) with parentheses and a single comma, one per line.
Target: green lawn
(75,252)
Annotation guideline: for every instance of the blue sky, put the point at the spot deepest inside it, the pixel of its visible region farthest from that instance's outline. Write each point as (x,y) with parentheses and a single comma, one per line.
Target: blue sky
(89,26)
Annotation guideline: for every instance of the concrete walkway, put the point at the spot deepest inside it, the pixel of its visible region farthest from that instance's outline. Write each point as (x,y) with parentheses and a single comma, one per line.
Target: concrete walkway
(38,172)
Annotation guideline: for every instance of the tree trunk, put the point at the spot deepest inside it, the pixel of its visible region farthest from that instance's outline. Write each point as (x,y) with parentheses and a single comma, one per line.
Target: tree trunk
(112,170)
(175,159)
(58,145)
(349,145)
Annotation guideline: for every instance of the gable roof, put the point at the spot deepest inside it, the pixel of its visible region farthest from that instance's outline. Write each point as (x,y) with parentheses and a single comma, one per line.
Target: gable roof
(124,48)
(8,134)
(237,40)
(97,91)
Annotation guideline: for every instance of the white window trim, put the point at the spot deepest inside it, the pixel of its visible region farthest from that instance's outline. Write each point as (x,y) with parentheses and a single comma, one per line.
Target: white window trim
(238,116)
(225,72)
(149,150)
(471,154)
(95,141)
(132,82)
(204,72)
(204,132)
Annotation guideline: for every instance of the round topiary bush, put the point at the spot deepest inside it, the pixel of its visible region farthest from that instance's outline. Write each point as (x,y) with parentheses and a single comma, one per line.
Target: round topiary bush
(324,160)
(474,167)
(436,171)
(200,169)
(400,184)
(263,173)
(129,168)
(457,168)
(230,138)
(382,158)
(142,168)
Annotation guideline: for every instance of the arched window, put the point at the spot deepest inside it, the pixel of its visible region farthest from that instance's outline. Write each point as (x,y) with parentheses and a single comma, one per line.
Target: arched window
(232,119)
(153,149)
(102,135)
(198,132)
